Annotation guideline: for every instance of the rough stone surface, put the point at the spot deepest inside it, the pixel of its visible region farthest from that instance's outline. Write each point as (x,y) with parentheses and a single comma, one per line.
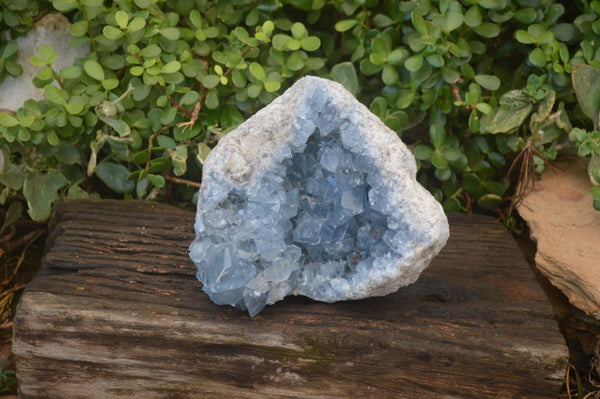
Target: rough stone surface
(312,196)
(50,30)
(567,230)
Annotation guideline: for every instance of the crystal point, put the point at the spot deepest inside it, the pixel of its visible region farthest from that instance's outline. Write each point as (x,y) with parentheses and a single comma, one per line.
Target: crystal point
(312,196)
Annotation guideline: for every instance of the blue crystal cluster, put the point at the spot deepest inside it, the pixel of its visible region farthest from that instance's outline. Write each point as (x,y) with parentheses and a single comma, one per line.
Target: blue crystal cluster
(312,196)
(308,228)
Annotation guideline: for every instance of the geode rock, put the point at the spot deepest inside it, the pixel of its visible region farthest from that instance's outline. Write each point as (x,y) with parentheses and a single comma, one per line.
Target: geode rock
(312,196)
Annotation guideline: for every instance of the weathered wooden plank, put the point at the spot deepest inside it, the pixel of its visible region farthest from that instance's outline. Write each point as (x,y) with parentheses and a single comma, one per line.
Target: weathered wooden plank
(116,312)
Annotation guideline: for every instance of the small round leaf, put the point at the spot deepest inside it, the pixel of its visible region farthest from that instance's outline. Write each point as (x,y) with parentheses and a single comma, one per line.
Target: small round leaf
(94,69)
(121,18)
(489,82)
(112,33)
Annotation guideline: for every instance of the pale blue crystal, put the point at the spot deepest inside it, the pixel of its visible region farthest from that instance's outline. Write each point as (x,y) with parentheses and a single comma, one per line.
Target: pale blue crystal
(303,199)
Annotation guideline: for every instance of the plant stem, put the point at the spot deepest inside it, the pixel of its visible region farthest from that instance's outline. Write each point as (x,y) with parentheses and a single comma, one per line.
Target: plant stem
(58,79)
(183,181)
(150,140)
(90,33)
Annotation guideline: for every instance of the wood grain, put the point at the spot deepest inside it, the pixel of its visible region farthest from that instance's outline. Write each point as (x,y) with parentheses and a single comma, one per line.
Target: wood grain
(117,312)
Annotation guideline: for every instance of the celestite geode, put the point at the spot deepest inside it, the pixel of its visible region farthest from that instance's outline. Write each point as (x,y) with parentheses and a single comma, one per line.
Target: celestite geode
(312,196)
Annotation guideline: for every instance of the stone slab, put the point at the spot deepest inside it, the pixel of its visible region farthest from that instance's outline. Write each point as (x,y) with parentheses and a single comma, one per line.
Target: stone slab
(567,231)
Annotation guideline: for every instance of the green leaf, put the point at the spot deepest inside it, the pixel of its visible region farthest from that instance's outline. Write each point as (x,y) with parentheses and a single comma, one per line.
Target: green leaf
(538,58)
(382,21)
(112,33)
(298,30)
(14,213)
(150,51)
(272,86)
(437,133)
(524,37)
(170,33)
(39,190)
(136,70)
(450,75)
(280,41)
(451,153)
(74,108)
(171,67)
(526,15)
(55,95)
(452,204)
(595,192)
(489,201)
(136,25)
(94,69)
(110,84)
(202,152)
(487,30)
(422,152)
(295,62)
(310,43)
(179,159)
(121,18)
(438,160)
(473,16)
(513,110)
(454,20)
(38,62)
(72,72)
(586,84)
(10,49)
(189,98)
(489,82)
(45,74)
(79,28)
(594,170)
(12,180)
(389,75)
(345,24)
(484,108)
(345,74)
(156,180)
(230,117)
(165,141)
(435,60)
(397,56)
(254,90)
(64,5)
(7,120)
(210,81)
(212,99)
(257,71)
(418,22)
(293,45)
(47,54)
(118,125)
(414,63)
(115,176)
(13,69)
(379,45)
(52,138)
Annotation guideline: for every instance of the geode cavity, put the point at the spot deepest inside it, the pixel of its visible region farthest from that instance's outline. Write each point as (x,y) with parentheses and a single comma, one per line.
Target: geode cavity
(312,196)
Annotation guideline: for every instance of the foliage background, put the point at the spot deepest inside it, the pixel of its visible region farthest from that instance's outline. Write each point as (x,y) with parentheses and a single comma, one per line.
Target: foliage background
(485,92)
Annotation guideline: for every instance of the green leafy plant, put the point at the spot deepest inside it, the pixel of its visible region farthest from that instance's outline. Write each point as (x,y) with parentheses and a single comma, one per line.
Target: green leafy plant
(7,380)
(586,83)
(484,91)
